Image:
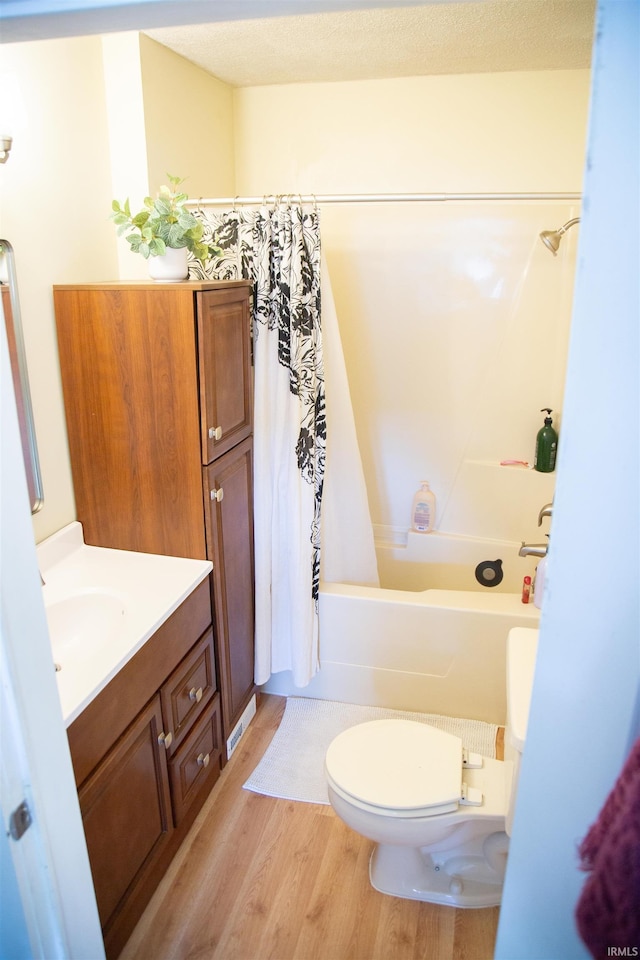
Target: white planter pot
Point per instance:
(170, 267)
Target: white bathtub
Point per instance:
(433, 651)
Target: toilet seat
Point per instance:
(400, 768)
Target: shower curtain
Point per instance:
(279, 251)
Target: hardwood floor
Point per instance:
(265, 879)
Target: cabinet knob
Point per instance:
(215, 433)
(165, 740)
(203, 760)
(195, 695)
(217, 494)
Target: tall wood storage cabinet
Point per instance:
(157, 382)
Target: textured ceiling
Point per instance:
(454, 36)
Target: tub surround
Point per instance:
(134, 592)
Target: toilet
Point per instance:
(440, 816)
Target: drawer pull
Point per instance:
(195, 695)
(215, 433)
(217, 494)
(203, 760)
(165, 740)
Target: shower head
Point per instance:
(552, 238)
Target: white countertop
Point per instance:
(102, 606)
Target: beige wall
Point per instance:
(126, 136)
(165, 115)
(490, 132)
(188, 120)
(454, 317)
(56, 197)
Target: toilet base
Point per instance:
(455, 879)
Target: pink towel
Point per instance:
(608, 912)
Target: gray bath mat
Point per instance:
(293, 765)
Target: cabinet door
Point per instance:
(229, 514)
(224, 357)
(126, 812)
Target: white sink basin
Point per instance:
(102, 605)
(83, 622)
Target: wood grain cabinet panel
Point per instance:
(226, 401)
(129, 374)
(126, 812)
(230, 539)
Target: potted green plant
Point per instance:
(164, 231)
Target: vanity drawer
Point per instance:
(188, 690)
(197, 761)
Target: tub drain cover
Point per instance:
(489, 573)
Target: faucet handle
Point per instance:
(545, 511)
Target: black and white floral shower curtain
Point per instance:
(278, 249)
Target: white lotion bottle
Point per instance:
(423, 512)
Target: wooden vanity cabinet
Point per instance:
(146, 753)
(158, 390)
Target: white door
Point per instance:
(50, 857)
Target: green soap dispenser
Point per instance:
(546, 445)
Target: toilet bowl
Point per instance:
(437, 814)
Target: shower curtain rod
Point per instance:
(376, 198)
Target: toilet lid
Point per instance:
(398, 764)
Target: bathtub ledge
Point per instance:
(507, 603)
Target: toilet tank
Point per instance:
(522, 646)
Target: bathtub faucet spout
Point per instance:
(533, 550)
